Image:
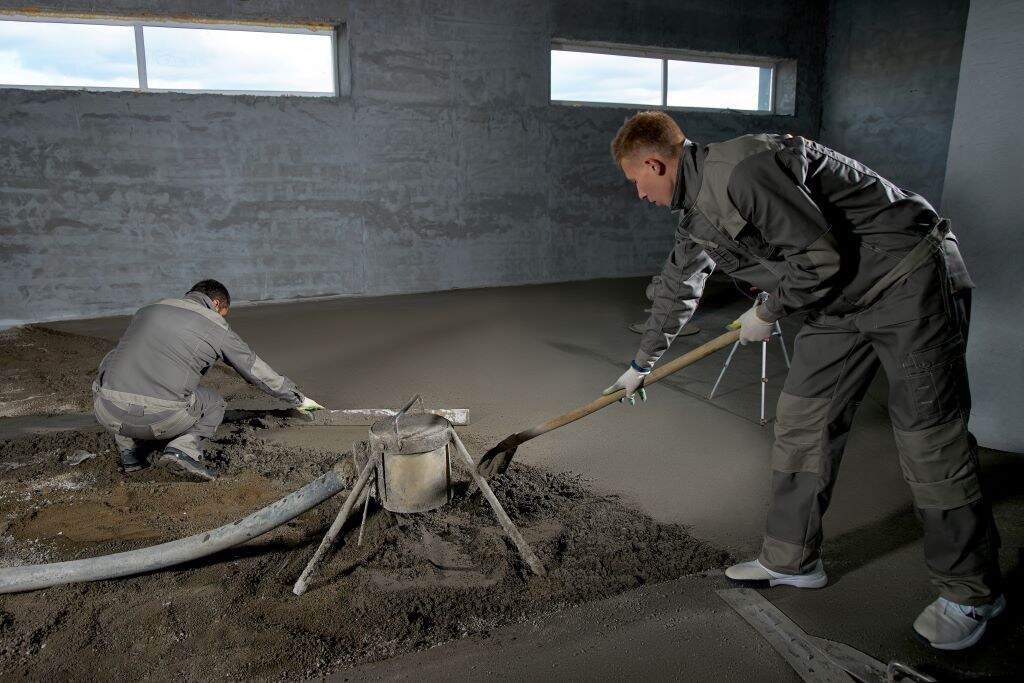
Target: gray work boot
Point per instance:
(131, 461)
(182, 463)
(950, 626)
(756, 575)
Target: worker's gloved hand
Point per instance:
(308, 406)
(751, 327)
(632, 380)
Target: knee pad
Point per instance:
(800, 425)
(938, 465)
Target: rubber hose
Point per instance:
(34, 577)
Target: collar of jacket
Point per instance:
(200, 298)
(691, 163)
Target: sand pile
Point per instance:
(416, 581)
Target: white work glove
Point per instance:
(752, 328)
(308, 406)
(632, 380)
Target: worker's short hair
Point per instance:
(648, 131)
(214, 290)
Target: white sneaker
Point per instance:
(755, 574)
(950, 626)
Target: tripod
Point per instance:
(764, 365)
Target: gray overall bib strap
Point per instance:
(914, 259)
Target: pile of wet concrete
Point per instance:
(416, 580)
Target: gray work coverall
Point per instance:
(883, 284)
(147, 388)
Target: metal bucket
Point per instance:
(415, 472)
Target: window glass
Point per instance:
(218, 59)
(59, 54)
(715, 86)
(593, 77)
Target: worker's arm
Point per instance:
(255, 370)
(676, 295)
(769, 193)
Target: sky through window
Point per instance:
(103, 55)
(607, 78)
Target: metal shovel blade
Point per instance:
(497, 460)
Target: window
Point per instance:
(68, 55)
(157, 56)
(589, 73)
(594, 77)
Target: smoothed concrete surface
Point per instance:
(518, 356)
(679, 630)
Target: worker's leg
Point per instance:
(832, 367)
(108, 415)
(184, 452)
(208, 410)
(930, 404)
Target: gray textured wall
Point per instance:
(446, 167)
(984, 183)
(891, 72)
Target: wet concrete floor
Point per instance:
(518, 356)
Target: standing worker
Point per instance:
(881, 281)
(147, 388)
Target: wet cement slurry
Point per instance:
(518, 356)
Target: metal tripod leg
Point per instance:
(725, 367)
(764, 367)
(764, 376)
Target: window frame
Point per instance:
(335, 32)
(666, 55)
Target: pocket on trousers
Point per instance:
(934, 377)
(943, 353)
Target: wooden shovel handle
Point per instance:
(657, 374)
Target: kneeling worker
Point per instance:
(147, 388)
(882, 283)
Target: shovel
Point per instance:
(497, 460)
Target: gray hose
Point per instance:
(34, 577)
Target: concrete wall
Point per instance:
(891, 72)
(982, 196)
(446, 167)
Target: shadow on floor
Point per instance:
(1002, 480)
(1003, 483)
